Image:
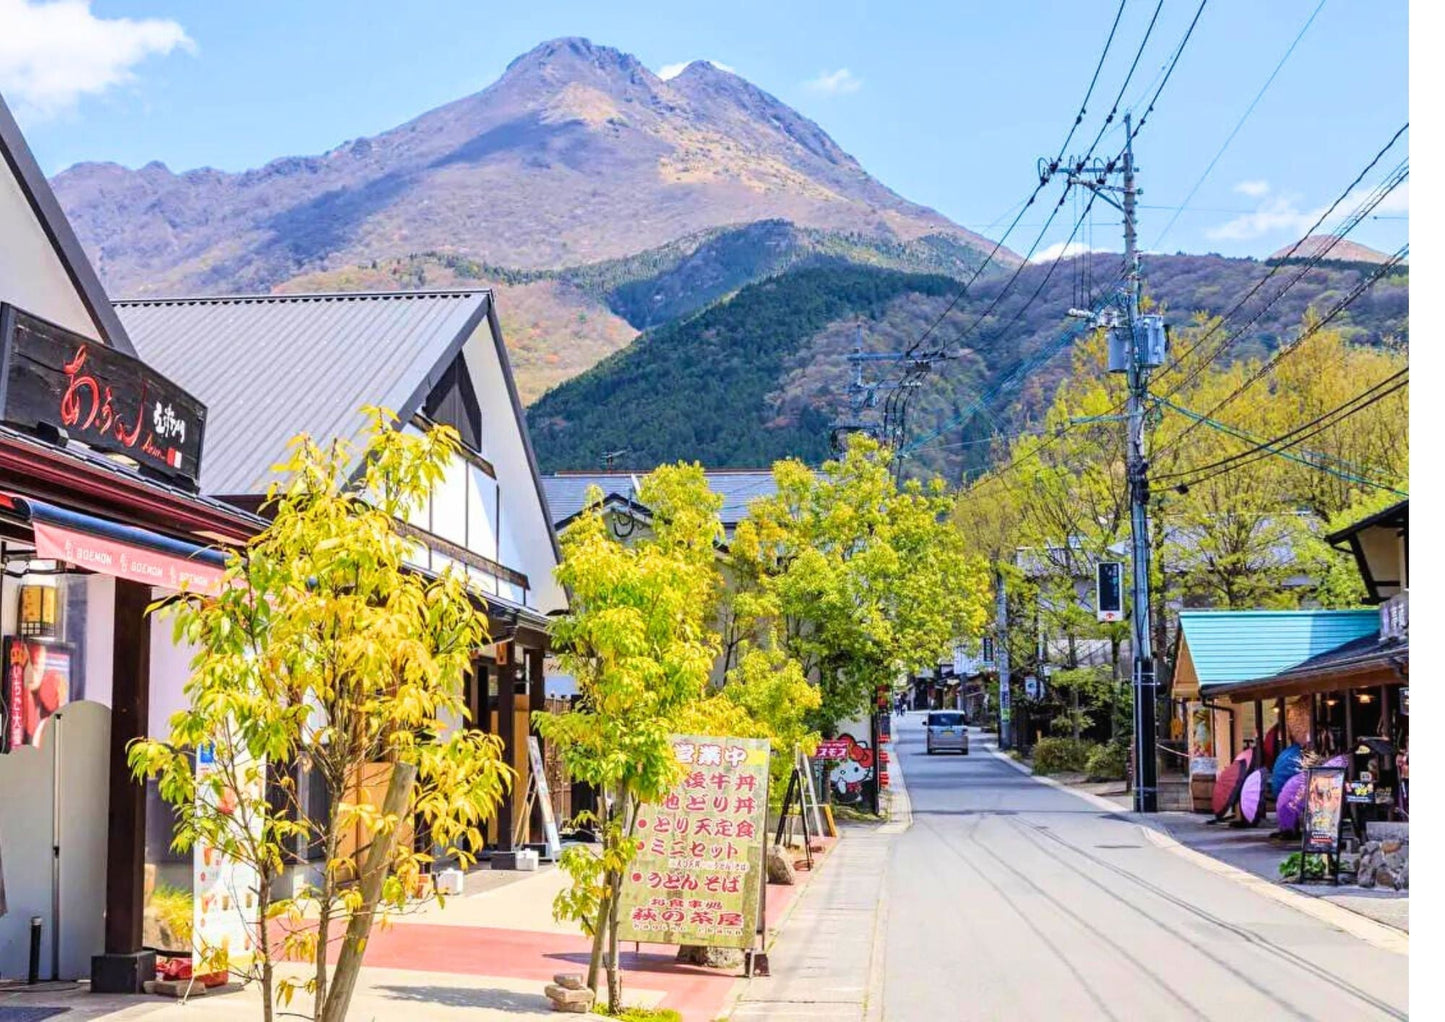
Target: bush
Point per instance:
(1059, 755)
(1109, 762)
(1314, 867)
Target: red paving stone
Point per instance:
(698, 994)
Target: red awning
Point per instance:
(137, 555)
(96, 553)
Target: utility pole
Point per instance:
(1000, 654)
(1146, 794)
(1136, 346)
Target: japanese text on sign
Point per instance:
(697, 874)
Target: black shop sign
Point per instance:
(54, 379)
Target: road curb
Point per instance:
(1088, 796)
(899, 802)
(1387, 938)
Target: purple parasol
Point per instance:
(1251, 796)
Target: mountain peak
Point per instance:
(570, 52)
(1340, 250)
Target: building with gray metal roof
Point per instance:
(567, 492)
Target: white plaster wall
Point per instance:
(32, 276)
(170, 669)
(525, 541)
(99, 638)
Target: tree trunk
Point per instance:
(263, 941)
(373, 876)
(614, 971)
(599, 938)
(323, 926)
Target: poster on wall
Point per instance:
(698, 874)
(39, 680)
(1202, 761)
(1325, 787)
(226, 912)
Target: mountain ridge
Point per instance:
(535, 171)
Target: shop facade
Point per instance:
(1334, 683)
(275, 366)
(100, 516)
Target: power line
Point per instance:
(1369, 396)
(1283, 353)
(1311, 459)
(1046, 173)
(1397, 177)
(1163, 81)
(1043, 182)
(1240, 123)
(1278, 265)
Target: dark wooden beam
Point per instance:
(122, 967)
(536, 703)
(507, 730)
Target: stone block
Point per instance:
(711, 957)
(780, 867)
(570, 981)
(561, 995)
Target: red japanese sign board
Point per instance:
(698, 872)
(99, 396)
(832, 748)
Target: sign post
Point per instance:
(698, 876)
(1324, 811)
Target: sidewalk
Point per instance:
(1247, 849)
(483, 957)
(830, 964)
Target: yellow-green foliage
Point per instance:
(175, 911)
(324, 648)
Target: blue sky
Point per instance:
(949, 103)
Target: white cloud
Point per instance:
(670, 71)
(1282, 215)
(834, 83)
(1254, 189)
(1062, 250)
(52, 54)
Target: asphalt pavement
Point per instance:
(1008, 898)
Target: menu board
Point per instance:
(697, 876)
(1325, 791)
(226, 913)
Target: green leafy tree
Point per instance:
(638, 641)
(858, 580)
(324, 650)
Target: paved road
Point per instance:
(1011, 899)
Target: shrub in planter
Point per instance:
(1108, 762)
(1059, 755)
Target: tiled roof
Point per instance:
(1233, 646)
(271, 366)
(567, 491)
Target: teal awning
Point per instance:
(1224, 647)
